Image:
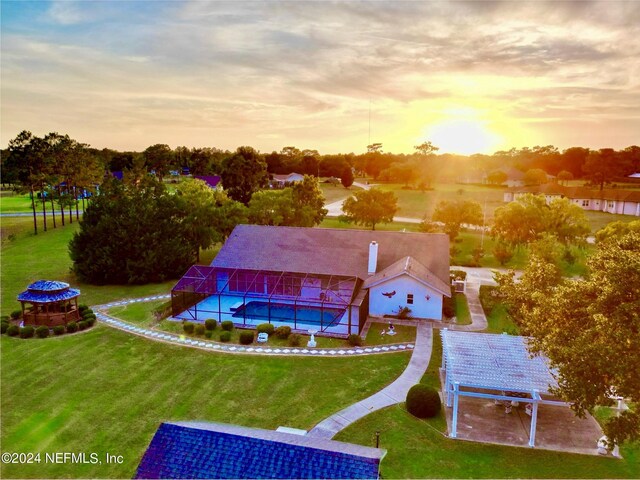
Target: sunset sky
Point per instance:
(468, 76)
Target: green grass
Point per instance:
(404, 334)
(17, 204)
(498, 318)
(338, 192)
(107, 391)
(463, 317)
(598, 220)
(393, 227)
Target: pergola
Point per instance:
(52, 303)
(475, 363)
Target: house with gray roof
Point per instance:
(329, 280)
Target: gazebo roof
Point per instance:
(494, 362)
(47, 291)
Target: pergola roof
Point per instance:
(46, 291)
(494, 362)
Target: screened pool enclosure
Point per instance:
(302, 301)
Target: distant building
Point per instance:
(610, 200)
(281, 181)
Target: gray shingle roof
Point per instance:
(410, 266)
(329, 251)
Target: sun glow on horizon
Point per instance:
(463, 133)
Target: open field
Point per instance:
(107, 391)
(13, 202)
(338, 192)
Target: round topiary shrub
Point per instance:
(13, 330)
(246, 338)
(4, 326)
(294, 340)
(188, 327)
(58, 330)
(42, 331)
(208, 333)
(90, 321)
(210, 324)
(227, 325)
(282, 332)
(354, 340)
(82, 325)
(72, 327)
(200, 329)
(225, 336)
(16, 314)
(87, 315)
(27, 332)
(423, 401)
(82, 307)
(267, 328)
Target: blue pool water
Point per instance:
(286, 313)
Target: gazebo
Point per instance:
(51, 303)
(498, 367)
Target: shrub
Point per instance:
(188, 327)
(210, 324)
(72, 327)
(13, 330)
(27, 332)
(448, 304)
(4, 327)
(199, 329)
(294, 340)
(90, 321)
(423, 401)
(88, 316)
(42, 331)
(16, 314)
(4, 318)
(403, 312)
(208, 333)
(246, 338)
(82, 307)
(354, 340)
(458, 275)
(225, 336)
(267, 328)
(227, 325)
(58, 330)
(283, 332)
(82, 325)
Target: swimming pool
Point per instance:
(287, 313)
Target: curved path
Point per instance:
(192, 342)
(394, 393)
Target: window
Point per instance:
(585, 203)
(410, 298)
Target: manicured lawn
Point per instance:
(107, 391)
(599, 220)
(497, 317)
(338, 192)
(463, 317)
(394, 227)
(404, 334)
(17, 203)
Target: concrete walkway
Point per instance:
(392, 394)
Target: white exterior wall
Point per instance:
(380, 305)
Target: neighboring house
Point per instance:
(611, 200)
(282, 181)
(329, 280)
(217, 450)
(212, 180)
(514, 176)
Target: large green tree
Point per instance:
(617, 229)
(243, 173)
(159, 158)
(370, 207)
(454, 213)
(132, 233)
(528, 217)
(588, 328)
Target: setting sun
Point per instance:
(463, 136)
